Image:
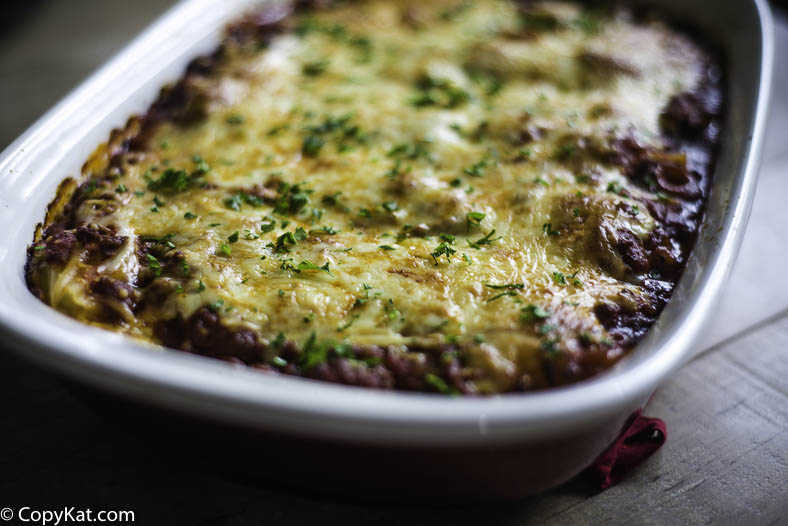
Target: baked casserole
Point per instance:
(463, 197)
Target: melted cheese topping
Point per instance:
(400, 173)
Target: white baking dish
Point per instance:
(585, 417)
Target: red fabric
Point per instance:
(641, 438)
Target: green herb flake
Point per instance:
(268, 226)
(308, 265)
(233, 238)
(547, 228)
(348, 324)
(486, 240)
(283, 241)
(226, 250)
(615, 187)
(311, 145)
(439, 384)
(444, 249)
(171, 180)
(478, 169)
(502, 294)
(474, 218)
(533, 313)
(507, 286)
(154, 264)
(316, 68)
(278, 361)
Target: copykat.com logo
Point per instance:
(66, 515)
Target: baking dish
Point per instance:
(563, 429)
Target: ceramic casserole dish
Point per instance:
(339, 438)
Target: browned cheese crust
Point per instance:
(521, 251)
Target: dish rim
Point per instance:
(219, 390)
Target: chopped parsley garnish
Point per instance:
(486, 240)
(391, 206)
(308, 265)
(510, 289)
(226, 250)
(548, 229)
(325, 230)
(439, 384)
(391, 311)
(615, 187)
(559, 278)
(533, 313)
(173, 180)
(202, 166)
(278, 361)
(312, 145)
(439, 92)
(478, 169)
(548, 346)
(318, 67)
(507, 286)
(474, 218)
(154, 264)
(269, 226)
(291, 199)
(348, 324)
(235, 119)
(415, 150)
(189, 215)
(315, 352)
(387, 247)
(502, 294)
(444, 249)
(121, 188)
(283, 241)
(233, 238)
(276, 129)
(200, 286)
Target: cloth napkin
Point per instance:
(642, 437)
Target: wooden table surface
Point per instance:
(726, 460)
